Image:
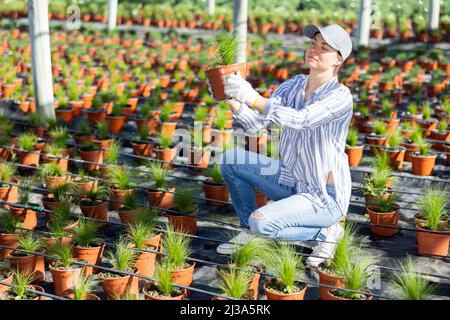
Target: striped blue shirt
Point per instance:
(313, 136)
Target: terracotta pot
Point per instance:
(28, 158)
(8, 279)
(27, 217)
(85, 186)
(64, 280)
(98, 211)
(150, 122)
(92, 255)
(166, 155)
(396, 156)
(354, 155)
(331, 296)
(217, 76)
(50, 242)
(439, 135)
(118, 287)
(383, 218)
(117, 197)
(329, 280)
(215, 191)
(261, 199)
(161, 199)
(200, 159)
(8, 240)
(9, 193)
(271, 295)
(431, 243)
(115, 123)
(167, 128)
(428, 126)
(49, 204)
(423, 165)
(29, 264)
(129, 216)
(65, 115)
(62, 163)
(91, 156)
(186, 223)
(376, 142)
(6, 151)
(148, 296)
(145, 262)
(52, 182)
(410, 149)
(143, 149)
(183, 276)
(95, 116)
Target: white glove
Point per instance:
(237, 88)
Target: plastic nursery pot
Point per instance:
(217, 76)
(389, 219)
(129, 216)
(27, 217)
(95, 116)
(432, 243)
(117, 197)
(145, 262)
(186, 223)
(115, 123)
(161, 199)
(52, 182)
(8, 240)
(91, 156)
(150, 293)
(275, 295)
(29, 264)
(28, 158)
(142, 148)
(183, 276)
(6, 275)
(328, 279)
(423, 165)
(9, 193)
(166, 155)
(354, 155)
(96, 211)
(331, 295)
(62, 163)
(410, 149)
(396, 156)
(64, 279)
(118, 285)
(92, 255)
(215, 191)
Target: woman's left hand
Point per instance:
(237, 88)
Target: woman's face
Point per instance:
(320, 56)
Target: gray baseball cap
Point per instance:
(334, 35)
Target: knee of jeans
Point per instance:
(259, 227)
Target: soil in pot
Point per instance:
(151, 292)
(274, 291)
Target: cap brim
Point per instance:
(310, 30)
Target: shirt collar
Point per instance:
(324, 87)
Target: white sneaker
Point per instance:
(228, 248)
(325, 250)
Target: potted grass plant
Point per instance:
(22, 282)
(166, 125)
(55, 153)
(84, 133)
(147, 217)
(394, 150)
(378, 182)
(8, 192)
(139, 234)
(102, 138)
(26, 216)
(65, 272)
(163, 288)
(87, 244)
(183, 214)
(236, 284)
(409, 284)
(143, 146)
(384, 212)
(9, 234)
(223, 64)
(130, 208)
(92, 154)
(84, 288)
(121, 259)
(412, 144)
(331, 270)
(352, 149)
(121, 184)
(249, 256)
(93, 202)
(356, 274)
(284, 264)
(423, 161)
(111, 155)
(54, 175)
(83, 181)
(116, 120)
(28, 263)
(378, 137)
(442, 134)
(433, 232)
(176, 248)
(27, 153)
(56, 197)
(427, 123)
(164, 151)
(160, 195)
(96, 113)
(215, 189)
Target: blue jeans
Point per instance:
(290, 216)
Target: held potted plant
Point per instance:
(121, 259)
(29, 263)
(352, 149)
(87, 244)
(424, 160)
(163, 288)
(183, 214)
(433, 232)
(215, 188)
(384, 212)
(160, 195)
(65, 272)
(224, 64)
(283, 262)
(176, 249)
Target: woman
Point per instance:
(311, 188)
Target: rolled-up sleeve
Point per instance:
(336, 104)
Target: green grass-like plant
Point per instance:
(21, 282)
(9, 223)
(63, 254)
(93, 195)
(7, 172)
(86, 233)
(433, 207)
(26, 141)
(409, 284)
(51, 169)
(385, 204)
(163, 277)
(176, 246)
(426, 111)
(112, 152)
(424, 148)
(200, 113)
(61, 191)
(120, 178)
(345, 248)
(395, 139)
(62, 215)
(379, 128)
(216, 174)
(159, 174)
(183, 200)
(352, 137)
(442, 125)
(60, 136)
(102, 131)
(54, 149)
(226, 49)
(124, 257)
(235, 283)
(130, 201)
(165, 142)
(138, 233)
(30, 242)
(252, 251)
(84, 286)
